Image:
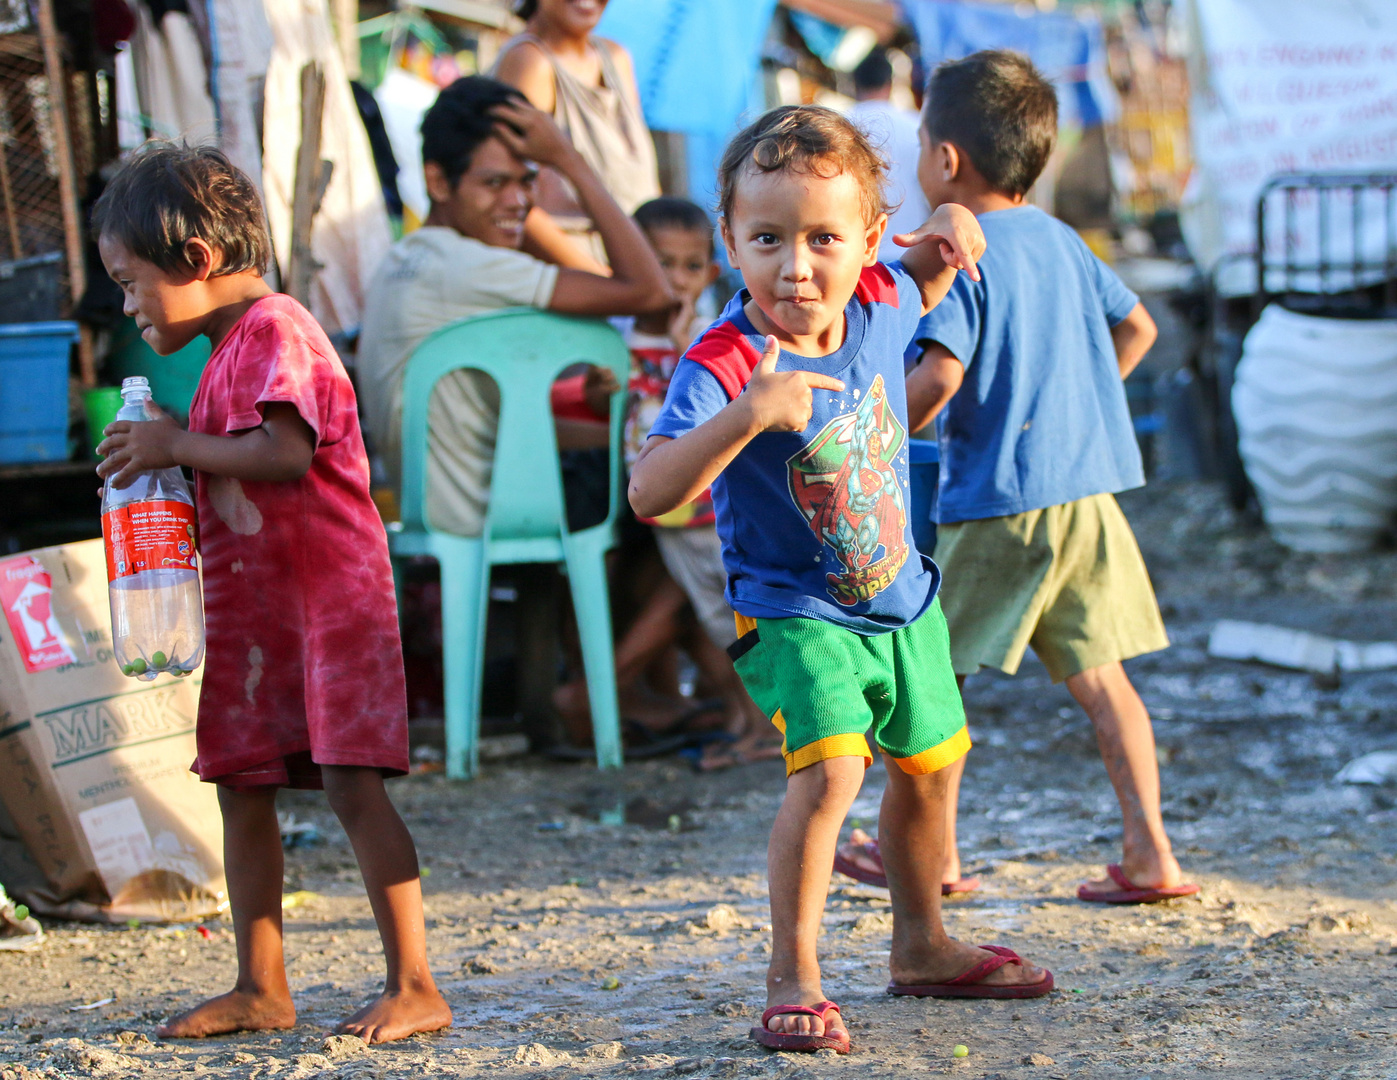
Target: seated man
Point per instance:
(480, 144)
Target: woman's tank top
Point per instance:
(606, 126)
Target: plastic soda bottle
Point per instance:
(152, 564)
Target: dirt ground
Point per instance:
(573, 948)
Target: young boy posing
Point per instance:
(792, 407)
(1035, 441)
(301, 689)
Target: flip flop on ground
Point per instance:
(869, 876)
(969, 984)
(786, 1040)
(1130, 893)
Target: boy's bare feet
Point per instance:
(237, 1010)
(657, 713)
(397, 1014)
(943, 963)
(748, 749)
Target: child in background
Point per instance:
(300, 689)
(1035, 441)
(792, 407)
(682, 237)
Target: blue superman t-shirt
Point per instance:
(814, 523)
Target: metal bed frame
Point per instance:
(1348, 269)
(1350, 283)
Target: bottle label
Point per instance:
(153, 535)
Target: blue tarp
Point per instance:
(697, 66)
(1069, 50)
(821, 37)
(694, 59)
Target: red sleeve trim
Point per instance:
(876, 286)
(728, 355)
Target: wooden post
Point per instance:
(67, 180)
(16, 251)
(312, 178)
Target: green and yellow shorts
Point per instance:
(825, 687)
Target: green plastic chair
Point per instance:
(523, 350)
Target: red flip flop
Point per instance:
(783, 1040)
(872, 877)
(1130, 893)
(969, 985)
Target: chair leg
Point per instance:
(464, 587)
(591, 602)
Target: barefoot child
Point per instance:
(1035, 442)
(303, 681)
(792, 407)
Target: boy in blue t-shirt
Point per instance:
(1036, 439)
(792, 406)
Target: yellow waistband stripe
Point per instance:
(823, 749)
(938, 757)
(744, 624)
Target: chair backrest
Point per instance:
(523, 350)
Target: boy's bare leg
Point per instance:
(950, 865)
(912, 840)
(951, 868)
(252, 861)
(410, 1002)
(1126, 739)
(799, 860)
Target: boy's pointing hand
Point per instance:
(781, 400)
(957, 232)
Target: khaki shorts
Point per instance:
(1068, 580)
(694, 558)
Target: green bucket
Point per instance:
(101, 406)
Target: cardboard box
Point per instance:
(105, 820)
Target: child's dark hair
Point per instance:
(672, 212)
(459, 121)
(874, 72)
(809, 139)
(999, 110)
(168, 194)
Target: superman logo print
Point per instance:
(845, 485)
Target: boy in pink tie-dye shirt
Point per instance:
(303, 679)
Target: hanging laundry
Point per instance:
(241, 43)
(351, 232)
(172, 83)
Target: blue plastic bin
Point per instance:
(924, 473)
(34, 391)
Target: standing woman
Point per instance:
(587, 85)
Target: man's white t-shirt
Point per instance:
(893, 132)
(429, 278)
